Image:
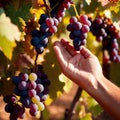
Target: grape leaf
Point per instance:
(6, 46)
(7, 29)
(8, 34)
(92, 7)
(15, 14)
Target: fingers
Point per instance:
(62, 54)
(69, 47)
(85, 52)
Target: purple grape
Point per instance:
(53, 29)
(16, 80)
(33, 113)
(73, 20)
(32, 84)
(35, 41)
(22, 85)
(78, 30)
(105, 31)
(39, 88)
(31, 93)
(26, 102)
(33, 107)
(85, 28)
(9, 107)
(39, 49)
(23, 76)
(49, 22)
(13, 99)
(44, 27)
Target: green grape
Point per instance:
(41, 106)
(32, 77)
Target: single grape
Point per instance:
(32, 93)
(16, 80)
(39, 48)
(39, 88)
(23, 76)
(35, 41)
(9, 107)
(26, 102)
(22, 85)
(36, 99)
(32, 76)
(41, 106)
(33, 107)
(32, 84)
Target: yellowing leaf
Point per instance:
(68, 83)
(7, 29)
(7, 46)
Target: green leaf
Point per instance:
(92, 7)
(92, 104)
(87, 117)
(15, 14)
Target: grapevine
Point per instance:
(32, 87)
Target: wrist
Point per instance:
(97, 86)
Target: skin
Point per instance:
(83, 68)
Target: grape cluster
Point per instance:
(78, 28)
(106, 32)
(58, 12)
(13, 107)
(32, 90)
(48, 26)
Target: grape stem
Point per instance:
(76, 12)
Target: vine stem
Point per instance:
(35, 62)
(36, 59)
(69, 112)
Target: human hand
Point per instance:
(80, 66)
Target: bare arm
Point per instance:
(84, 69)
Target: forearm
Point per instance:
(108, 96)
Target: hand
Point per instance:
(80, 66)
(84, 68)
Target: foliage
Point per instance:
(17, 20)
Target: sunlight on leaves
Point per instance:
(7, 29)
(68, 82)
(6, 46)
